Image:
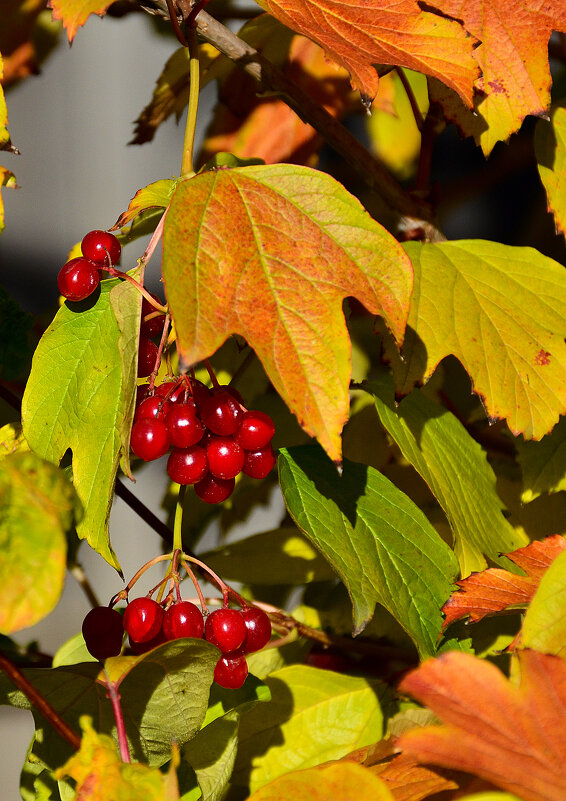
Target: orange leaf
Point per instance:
(270, 252)
(495, 590)
(74, 13)
(512, 736)
(397, 32)
(409, 781)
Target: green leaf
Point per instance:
(175, 677)
(212, 753)
(457, 471)
(223, 701)
(313, 716)
(15, 326)
(154, 197)
(293, 245)
(223, 160)
(500, 311)
(37, 507)
(12, 439)
(544, 626)
(550, 150)
(73, 652)
(544, 463)
(76, 398)
(281, 556)
(380, 544)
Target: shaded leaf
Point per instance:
(394, 33)
(212, 753)
(74, 13)
(455, 468)
(512, 736)
(294, 243)
(543, 463)
(15, 326)
(544, 626)
(154, 198)
(495, 590)
(341, 782)
(304, 724)
(499, 310)
(380, 544)
(37, 507)
(550, 150)
(77, 398)
(17, 40)
(223, 701)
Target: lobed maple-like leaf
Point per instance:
(550, 150)
(512, 736)
(270, 252)
(500, 311)
(74, 13)
(495, 590)
(360, 35)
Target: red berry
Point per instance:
(183, 619)
(225, 457)
(185, 429)
(221, 413)
(256, 430)
(154, 406)
(199, 391)
(102, 248)
(231, 670)
(147, 356)
(149, 439)
(214, 490)
(143, 619)
(259, 629)
(154, 326)
(187, 465)
(258, 464)
(226, 629)
(78, 279)
(103, 632)
(174, 391)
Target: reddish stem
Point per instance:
(114, 697)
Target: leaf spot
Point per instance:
(542, 357)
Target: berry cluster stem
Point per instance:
(187, 168)
(114, 697)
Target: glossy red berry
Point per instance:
(152, 320)
(147, 356)
(231, 670)
(214, 490)
(174, 391)
(226, 629)
(149, 439)
(187, 465)
(258, 464)
(102, 248)
(225, 457)
(258, 627)
(78, 279)
(199, 391)
(103, 631)
(221, 413)
(154, 406)
(256, 430)
(143, 619)
(185, 428)
(183, 619)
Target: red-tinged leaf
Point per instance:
(270, 252)
(409, 781)
(74, 13)
(495, 590)
(395, 32)
(512, 736)
(513, 56)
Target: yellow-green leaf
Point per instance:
(550, 150)
(544, 463)
(344, 781)
(74, 13)
(544, 627)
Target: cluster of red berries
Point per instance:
(236, 632)
(79, 277)
(212, 436)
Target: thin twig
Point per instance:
(142, 511)
(410, 97)
(78, 573)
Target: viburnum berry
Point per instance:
(78, 279)
(147, 356)
(143, 619)
(154, 406)
(256, 430)
(221, 413)
(226, 629)
(231, 670)
(258, 627)
(187, 465)
(185, 428)
(258, 464)
(225, 457)
(174, 391)
(102, 248)
(183, 619)
(199, 391)
(149, 439)
(214, 490)
(153, 326)
(103, 632)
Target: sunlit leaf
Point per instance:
(340, 782)
(153, 197)
(294, 243)
(544, 626)
(12, 439)
(512, 736)
(18, 39)
(37, 507)
(74, 13)
(379, 543)
(500, 311)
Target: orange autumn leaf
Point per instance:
(495, 590)
(394, 32)
(512, 736)
(74, 13)
(409, 781)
